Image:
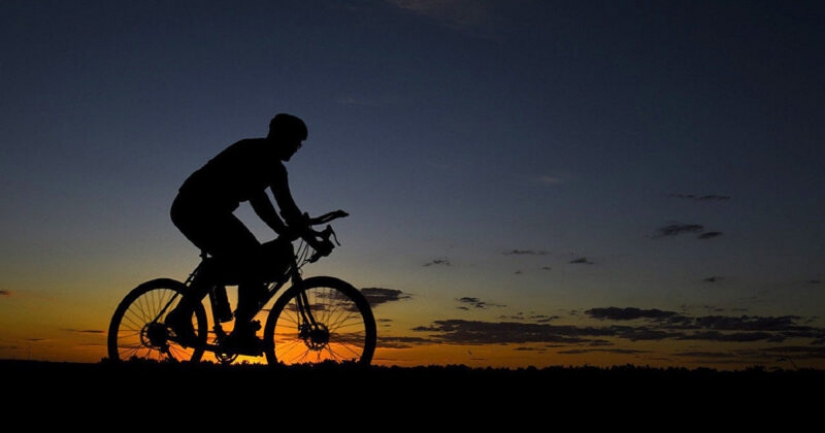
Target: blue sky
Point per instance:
(559, 170)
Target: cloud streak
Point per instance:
(676, 229)
(582, 261)
(635, 325)
(517, 252)
(457, 14)
(694, 197)
(659, 325)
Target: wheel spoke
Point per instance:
(344, 328)
(136, 330)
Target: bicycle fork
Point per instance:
(315, 335)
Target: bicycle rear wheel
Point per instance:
(344, 330)
(137, 330)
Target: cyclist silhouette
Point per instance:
(203, 211)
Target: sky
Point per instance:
(530, 183)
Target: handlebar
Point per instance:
(325, 218)
(327, 233)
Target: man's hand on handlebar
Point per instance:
(323, 247)
(323, 241)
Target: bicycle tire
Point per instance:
(137, 331)
(349, 332)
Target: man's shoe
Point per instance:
(181, 324)
(244, 341)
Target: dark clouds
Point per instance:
(469, 302)
(582, 261)
(678, 229)
(655, 325)
(377, 296)
(613, 313)
(633, 325)
(438, 262)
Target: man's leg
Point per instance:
(249, 296)
(236, 250)
(194, 223)
(251, 292)
(240, 252)
(197, 224)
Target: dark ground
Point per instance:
(414, 395)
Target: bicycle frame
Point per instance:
(219, 302)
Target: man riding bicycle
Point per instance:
(204, 212)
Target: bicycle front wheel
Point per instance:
(341, 329)
(137, 330)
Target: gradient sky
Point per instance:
(530, 182)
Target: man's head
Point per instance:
(287, 132)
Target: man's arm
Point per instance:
(295, 219)
(266, 211)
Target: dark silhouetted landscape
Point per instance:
(451, 392)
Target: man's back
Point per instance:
(242, 170)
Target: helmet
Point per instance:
(287, 126)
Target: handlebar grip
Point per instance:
(327, 217)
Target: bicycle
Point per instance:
(316, 320)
